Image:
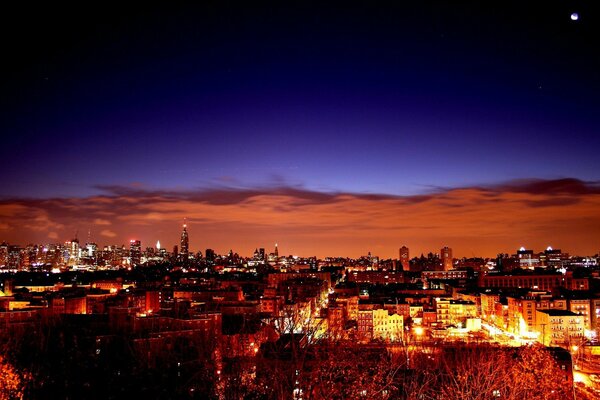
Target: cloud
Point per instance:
(479, 220)
(108, 233)
(52, 235)
(568, 186)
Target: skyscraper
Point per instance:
(446, 257)
(404, 258)
(184, 248)
(135, 252)
(262, 254)
(210, 256)
(73, 249)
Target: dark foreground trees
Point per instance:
(487, 372)
(71, 360)
(12, 382)
(343, 370)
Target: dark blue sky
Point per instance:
(379, 97)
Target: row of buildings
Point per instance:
(560, 311)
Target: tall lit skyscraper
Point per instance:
(73, 251)
(404, 258)
(184, 248)
(135, 252)
(446, 257)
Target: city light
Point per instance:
(153, 158)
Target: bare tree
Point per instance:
(12, 382)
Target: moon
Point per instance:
(574, 16)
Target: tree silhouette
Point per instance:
(12, 383)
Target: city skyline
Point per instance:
(331, 130)
(244, 220)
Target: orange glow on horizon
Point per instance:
(472, 221)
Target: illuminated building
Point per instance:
(135, 252)
(210, 256)
(91, 249)
(277, 278)
(365, 325)
(453, 312)
(257, 258)
(595, 313)
(374, 277)
(3, 254)
(553, 257)
(527, 260)
(404, 258)
(521, 316)
(73, 252)
(13, 260)
(273, 258)
(558, 326)
(271, 304)
(582, 306)
(379, 324)
(184, 242)
(336, 320)
(387, 327)
(163, 253)
(146, 301)
(488, 305)
(445, 275)
(52, 255)
(543, 281)
(68, 305)
(446, 257)
(373, 260)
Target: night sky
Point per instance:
(331, 129)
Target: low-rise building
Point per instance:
(559, 327)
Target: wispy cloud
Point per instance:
(108, 233)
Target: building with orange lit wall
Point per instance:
(381, 277)
(595, 313)
(488, 305)
(559, 327)
(545, 282)
(452, 312)
(522, 315)
(350, 306)
(365, 325)
(582, 307)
